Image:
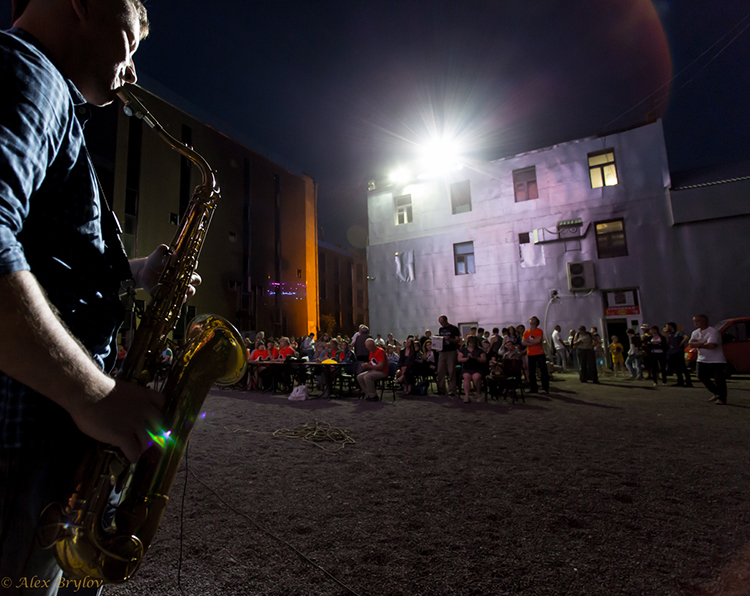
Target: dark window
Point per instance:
(602, 168)
(360, 273)
(360, 299)
(403, 209)
(322, 263)
(524, 183)
(463, 258)
(524, 238)
(610, 239)
(460, 197)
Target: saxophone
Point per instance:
(106, 526)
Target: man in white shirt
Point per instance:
(711, 360)
(561, 352)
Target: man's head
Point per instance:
(672, 327)
(700, 321)
(91, 41)
(534, 322)
(370, 343)
(558, 328)
(443, 320)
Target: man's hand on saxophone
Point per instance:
(146, 271)
(37, 350)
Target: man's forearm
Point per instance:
(35, 340)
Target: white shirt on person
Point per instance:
(711, 336)
(559, 345)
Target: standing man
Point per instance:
(533, 338)
(676, 355)
(61, 267)
(448, 356)
(711, 360)
(375, 368)
(561, 352)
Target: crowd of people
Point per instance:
(483, 359)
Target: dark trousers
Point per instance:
(677, 366)
(711, 374)
(658, 361)
(587, 364)
(541, 362)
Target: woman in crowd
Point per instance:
(348, 358)
(657, 355)
(259, 354)
(428, 364)
(473, 360)
(584, 344)
(634, 361)
(407, 363)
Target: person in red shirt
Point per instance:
(533, 338)
(375, 368)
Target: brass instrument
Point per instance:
(92, 536)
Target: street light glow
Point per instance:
(400, 175)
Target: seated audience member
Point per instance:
(428, 365)
(374, 369)
(393, 357)
(285, 354)
(407, 364)
(472, 358)
(259, 354)
(503, 369)
(349, 358)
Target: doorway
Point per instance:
(618, 327)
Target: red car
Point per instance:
(735, 339)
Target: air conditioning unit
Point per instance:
(581, 276)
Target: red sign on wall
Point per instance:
(619, 311)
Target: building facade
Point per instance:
(343, 289)
(259, 260)
(587, 232)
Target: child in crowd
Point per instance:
(616, 351)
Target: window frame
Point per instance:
(521, 177)
(463, 259)
(607, 250)
(600, 168)
(460, 197)
(406, 209)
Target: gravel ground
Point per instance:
(591, 490)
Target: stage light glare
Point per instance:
(400, 175)
(442, 155)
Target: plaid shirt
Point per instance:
(50, 218)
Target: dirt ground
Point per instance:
(592, 490)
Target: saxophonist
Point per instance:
(61, 268)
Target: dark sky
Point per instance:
(344, 90)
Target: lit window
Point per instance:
(463, 257)
(524, 183)
(610, 239)
(602, 168)
(403, 209)
(460, 197)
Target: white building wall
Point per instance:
(513, 283)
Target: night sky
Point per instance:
(343, 91)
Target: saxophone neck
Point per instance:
(133, 107)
